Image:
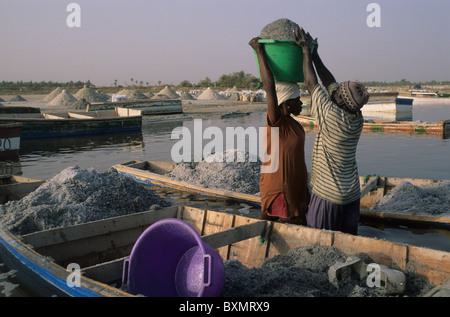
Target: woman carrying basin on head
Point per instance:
(284, 191)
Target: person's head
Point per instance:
(351, 96)
(293, 106)
(288, 95)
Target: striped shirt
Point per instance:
(334, 172)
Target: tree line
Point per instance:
(236, 79)
(42, 85)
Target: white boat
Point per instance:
(420, 97)
(400, 105)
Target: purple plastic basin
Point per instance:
(169, 259)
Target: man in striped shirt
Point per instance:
(334, 182)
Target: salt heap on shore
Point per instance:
(186, 96)
(405, 197)
(231, 170)
(160, 96)
(76, 196)
(18, 98)
(53, 94)
(210, 94)
(65, 99)
(169, 92)
(132, 94)
(89, 95)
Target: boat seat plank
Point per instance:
(75, 115)
(235, 234)
(106, 272)
(55, 116)
(106, 226)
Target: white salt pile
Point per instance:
(65, 98)
(89, 95)
(186, 96)
(210, 94)
(79, 105)
(405, 197)
(18, 98)
(231, 170)
(132, 94)
(280, 29)
(105, 97)
(160, 96)
(52, 95)
(302, 272)
(76, 196)
(169, 92)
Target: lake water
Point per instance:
(385, 154)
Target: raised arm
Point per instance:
(325, 75)
(267, 80)
(304, 40)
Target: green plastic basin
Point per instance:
(285, 59)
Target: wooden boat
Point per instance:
(144, 106)
(425, 97)
(441, 129)
(13, 187)
(373, 188)
(399, 105)
(14, 109)
(418, 94)
(74, 123)
(9, 140)
(154, 174)
(44, 260)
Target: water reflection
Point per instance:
(80, 143)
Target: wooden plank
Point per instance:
(433, 264)
(411, 216)
(107, 272)
(235, 234)
(84, 115)
(382, 252)
(161, 167)
(285, 237)
(55, 116)
(216, 222)
(394, 181)
(251, 252)
(105, 226)
(193, 216)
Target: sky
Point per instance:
(168, 41)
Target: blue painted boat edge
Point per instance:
(58, 283)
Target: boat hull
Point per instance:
(55, 125)
(154, 174)
(100, 248)
(9, 140)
